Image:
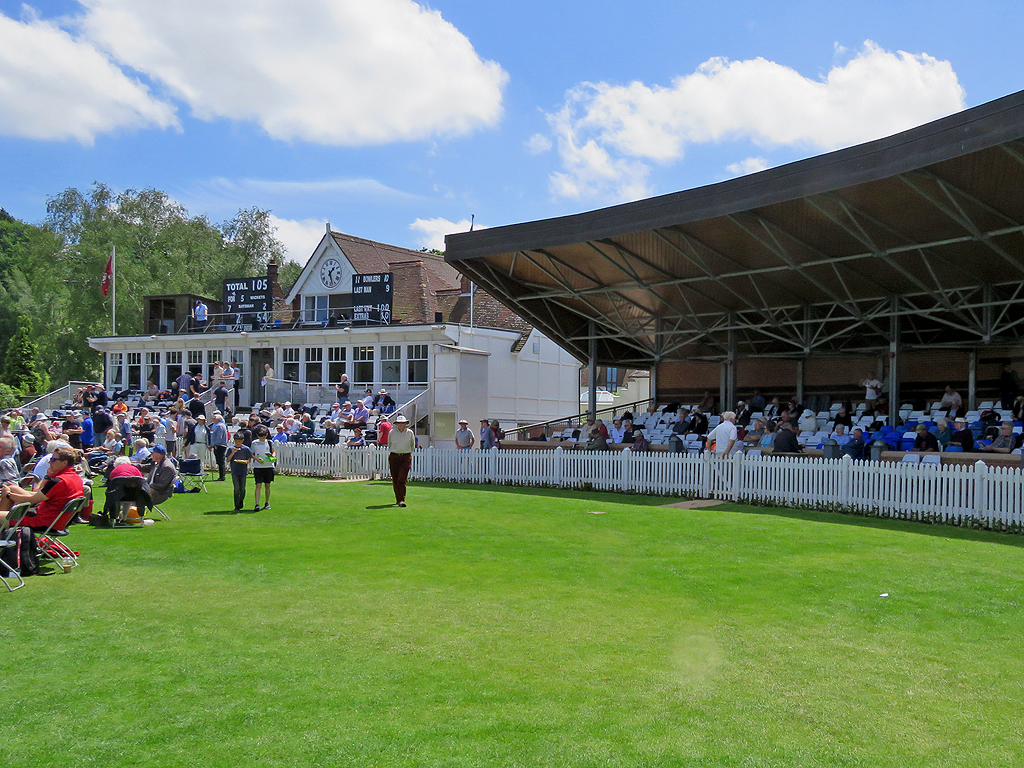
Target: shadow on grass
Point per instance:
(810, 515)
(223, 512)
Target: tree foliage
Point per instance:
(21, 363)
(52, 273)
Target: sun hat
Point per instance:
(463, 421)
(401, 419)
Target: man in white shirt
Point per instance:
(464, 438)
(723, 437)
(872, 389)
(401, 444)
(617, 432)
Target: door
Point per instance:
(258, 358)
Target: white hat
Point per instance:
(463, 421)
(401, 419)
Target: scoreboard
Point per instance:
(371, 298)
(247, 303)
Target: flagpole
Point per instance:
(113, 290)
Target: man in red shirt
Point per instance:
(62, 484)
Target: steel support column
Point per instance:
(894, 362)
(799, 382)
(592, 371)
(972, 380)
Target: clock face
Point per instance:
(330, 273)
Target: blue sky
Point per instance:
(396, 121)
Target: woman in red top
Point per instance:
(62, 484)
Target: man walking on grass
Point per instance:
(401, 444)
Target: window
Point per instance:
(290, 358)
(195, 360)
(335, 364)
(115, 370)
(362, 365)
(417, 363)
(173, 366)
(315, 309)
(314, 365)
(237, 357)
(134, 370)
(153, 368)
(213, 356)
(391, 364)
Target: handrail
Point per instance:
(400, 408)
(233, 322)
(54, 393)
(583, 415)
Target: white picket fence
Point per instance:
(970, 494)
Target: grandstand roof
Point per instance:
(918, 237)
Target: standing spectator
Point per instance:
(239, 458)
(484, 424)
(343, 388)
(220, 397)
(401, 444)
(88, 433)
(184, 383)
(383, 429)
(202, 434)
(218, 435)
(73, 430)
(1009, 386)
(464, 439)
(200, 315)
(236, 375)
(872, 391)
(490, 437)
(263, 466)
(723, 438)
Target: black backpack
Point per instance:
(24, 557)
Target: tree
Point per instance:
(21, 363)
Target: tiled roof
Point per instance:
(425, 284)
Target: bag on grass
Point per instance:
(23, 558)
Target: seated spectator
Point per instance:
(152, 392)
(306, 428)
(367, 399)
(142, 451)
(123, 467)
(808, 422)
(962, 437)
(745, 414)
(162, 475)
(604, 428)
(925, 442)
(62, 483)
(597, 441)
(943, 434)
(785, 440)
(639, 442)
(950, 402)
(840, 435)
(111, 443)
(627, 431)
(346, 411)
(119, 407)
(43, 464)
(617, 432)
(1004, 443)
(855, 447)
(359, 417)
(9, 471)
(768, 438)
(356, 440)
(698, 421)
(844, 417)
(383, 402)
(330, 433)
(335, 412)
(287, 410)
(282, 435)
(753, 436)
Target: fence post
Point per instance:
(738, 460)
(624, 469)
(980, 488)
(556, 468)
(846, 480)
(705, 475)
(492, 464)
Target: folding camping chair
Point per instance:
(122, 493)
(192, 474)
(11, 541)
(49, 543)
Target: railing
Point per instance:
(972, 495)
(59, 396)
(578, 420)
(233, 322)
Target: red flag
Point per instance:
(108, 275)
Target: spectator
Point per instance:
(331, 436)
(9, 471)
(1009, 386)
(640, 443)
(152, 393)
(61, 484)
(359, 417)
(490, 437)
(872, 391)
(962, 436)
(698, 421)
(88, 433)
(723, 437)
(200, 315)
(142, 451)
(597, 441)
(943, 434)
(925, 442)
(950, 402)
(753, 436)
(238, 459)
(218, 443)
(785, 440)
(1003, 443)
(123, 467)
(768, 438)
(356, 439)
(281, 436)
(808, 422)
(383, 429)
(757, 402)
(220, 397)
(840, 435)
(367, 398)
(844, 417)
(263, 464)
(343, 388)
(617, 432)
(855, 446)
(383, 402)
(464, 438)
(335, 412)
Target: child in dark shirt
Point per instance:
(238, 459)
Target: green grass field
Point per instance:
(487, 626)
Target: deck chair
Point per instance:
(11, 541)
(932, 458)
(192, 474)
(50, 544)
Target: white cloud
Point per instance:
(538, 143)
(340, 72)
(607, 135)
(432, 231)
(56, 87)
(747, 165)
(299, 237)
